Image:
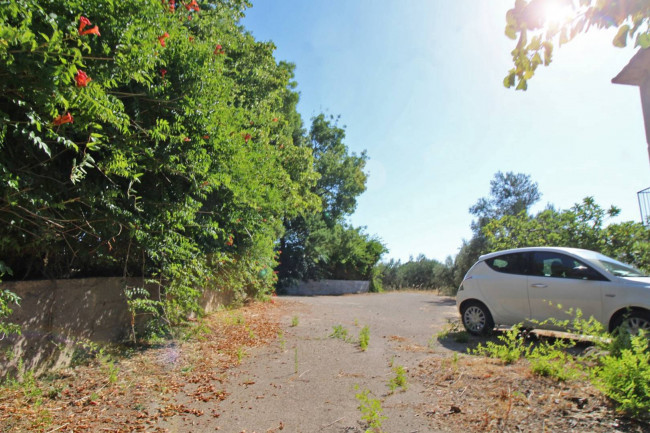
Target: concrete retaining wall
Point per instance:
(57, 314)
(328, 287)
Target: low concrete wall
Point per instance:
(57, 314)
(328, 287)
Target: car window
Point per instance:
(557, 265)
(515, 263)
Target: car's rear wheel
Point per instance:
(634, 322)
(477, 318)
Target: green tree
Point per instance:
(538, 25)
(419, 273)
(581, 226)
(141, 138)
(510, 194)
(321, 245)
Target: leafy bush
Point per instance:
(620, 368)
(511, 346)
(142, 139)
(625, 377)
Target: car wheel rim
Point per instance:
(474, 319)
(637, 324)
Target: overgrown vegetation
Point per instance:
(619, 366)
(160, 140)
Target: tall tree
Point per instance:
(321, 245)
(510, 194)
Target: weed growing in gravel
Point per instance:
(294, 321)
(364, 338)
(399, 381)
(281, 339)
(340, 332)
(241, 353)
(111, 369)
(371, 410)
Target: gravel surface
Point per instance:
(309, 383)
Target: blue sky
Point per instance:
(418, 85)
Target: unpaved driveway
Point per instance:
(307, 381)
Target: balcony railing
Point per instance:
(644, 205)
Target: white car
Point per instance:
(532, 285)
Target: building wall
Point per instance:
(328, 287)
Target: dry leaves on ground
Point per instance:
(134, 393)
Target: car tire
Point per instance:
(634, 321)
(476, 318)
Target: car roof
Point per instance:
(577, 251)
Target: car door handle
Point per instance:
(541, 286)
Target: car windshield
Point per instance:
(617, 268)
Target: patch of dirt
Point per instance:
(484, 395)
(137, 392)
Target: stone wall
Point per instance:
(55, 315)
(328, 287)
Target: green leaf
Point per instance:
(523, 85)
(643, 40)
(620, 40)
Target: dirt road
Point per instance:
(307, 381)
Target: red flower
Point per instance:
(172, 5)
(219, 49)
(63, 118)
(163, 72)
(82, 79)
(247, 137)
(275, 119)
(93, 31)
(162, 38)
(192, 6)
(186, 139)
(83, 22)
(230, 241)
(191, 38)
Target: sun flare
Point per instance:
(556, 13)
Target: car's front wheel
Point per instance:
(477, 318)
